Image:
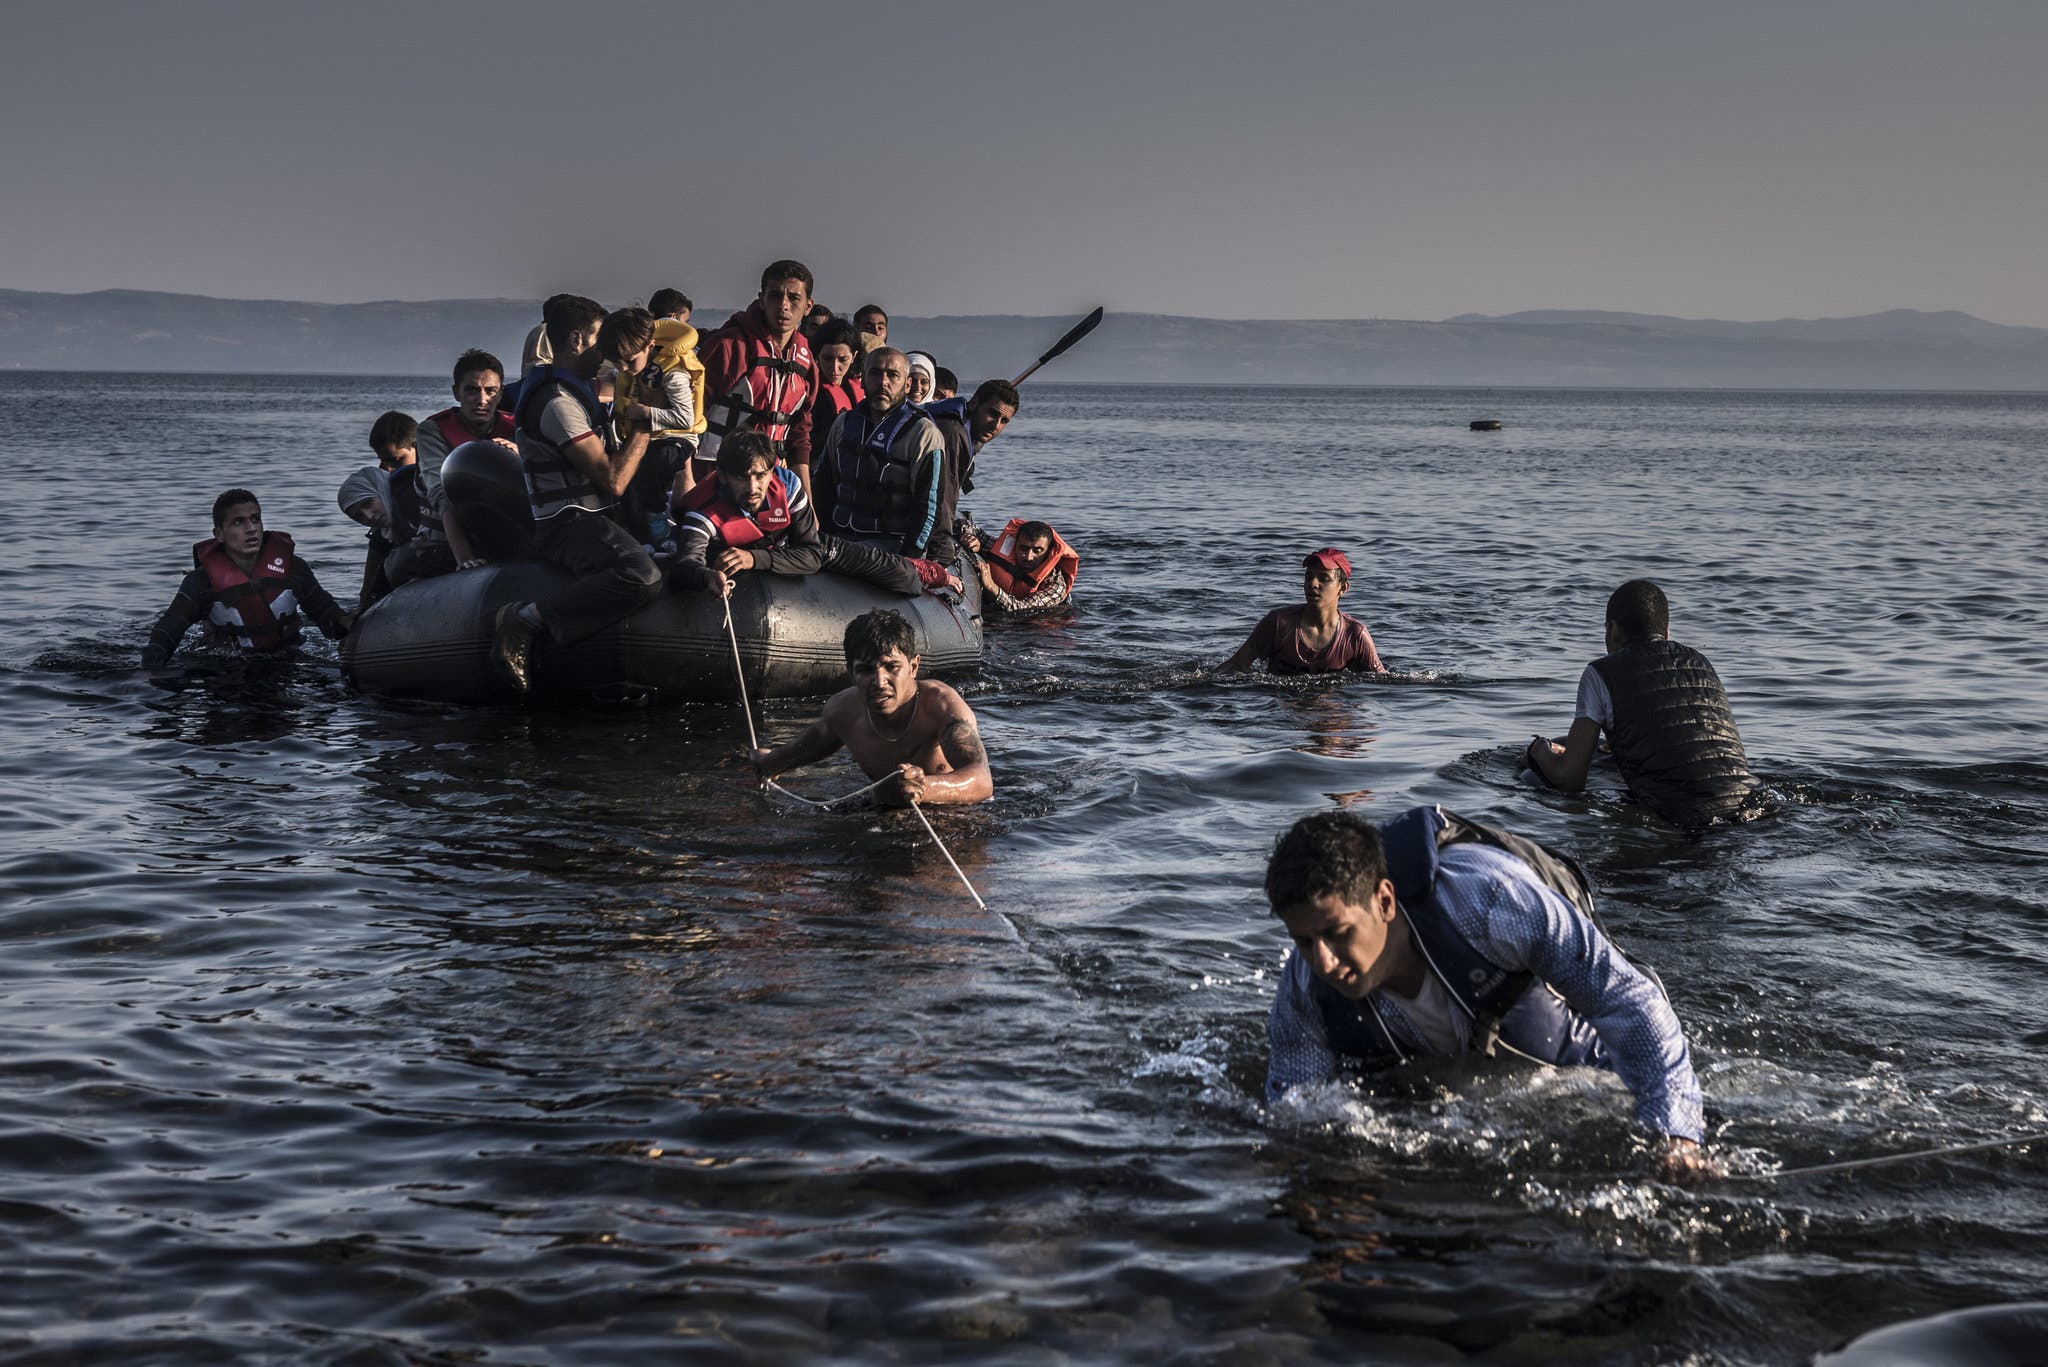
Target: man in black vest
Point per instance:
(883, 479)
(1666, 717)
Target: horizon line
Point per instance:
(1467, 316)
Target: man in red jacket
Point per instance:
(759, 374)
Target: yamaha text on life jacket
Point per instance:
(259, 608)
(734, 525)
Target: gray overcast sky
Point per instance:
(1276, 159)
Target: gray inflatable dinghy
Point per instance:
(431, 638)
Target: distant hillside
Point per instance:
(1900, 349)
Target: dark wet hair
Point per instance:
(473, 360)
(874, 634)
(945, 379)
(1032, 531)
(623, 332)
(737, 453)
(838, 332)
(230, 500)
(662, 303)
(1002, 391)
(565, 315)
(865, 309)
(1327, 854)
(1639, 610)
(779, 271)
(393, 429)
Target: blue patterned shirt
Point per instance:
(1500, 908)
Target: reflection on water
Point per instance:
(341, 1030)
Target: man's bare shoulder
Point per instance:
(841, 710)
(945, 698)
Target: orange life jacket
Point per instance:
(1002, 563)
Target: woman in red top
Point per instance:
(1314, 638)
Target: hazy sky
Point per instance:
(1273, 159)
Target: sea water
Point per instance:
(340, 1030)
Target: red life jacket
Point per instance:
(769, 391)
(254, 607)
(455, 431)
(1002, 563)
(833, 399)
(734, 525)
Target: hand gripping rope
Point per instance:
(740, 677)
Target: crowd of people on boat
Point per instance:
(792, 442)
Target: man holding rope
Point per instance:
(916, 735)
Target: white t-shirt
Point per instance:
(1429, 1011)
(1594, 699)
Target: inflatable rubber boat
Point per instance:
(432, 638)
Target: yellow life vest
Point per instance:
(675, 348)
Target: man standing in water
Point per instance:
(892, 722)
(1436, 936)
(1665, 713)
(249, 586)
(1314, 638)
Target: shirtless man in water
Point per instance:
(919, 730)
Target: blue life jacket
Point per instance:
(553, 481)
(950, 416)
(875, 474)
(1510, 1009)
(954, 408)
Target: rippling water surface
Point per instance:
(342, 1031)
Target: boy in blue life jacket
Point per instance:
(1437, 936)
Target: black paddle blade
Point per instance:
(1080, 330)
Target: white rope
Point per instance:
(829, 803)
(1847, 1164)
(740, 675)
(949, 856)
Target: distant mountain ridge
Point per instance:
(1865, 327)
(1896, 349)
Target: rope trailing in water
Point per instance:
(829, 803)
(1848, 1164)
(740, 677)
(949, 856)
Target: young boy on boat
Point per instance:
(918, 731)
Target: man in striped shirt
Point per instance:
(1436, 936)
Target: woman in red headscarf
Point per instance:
(1312, 637)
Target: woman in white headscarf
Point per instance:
(924, 375)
